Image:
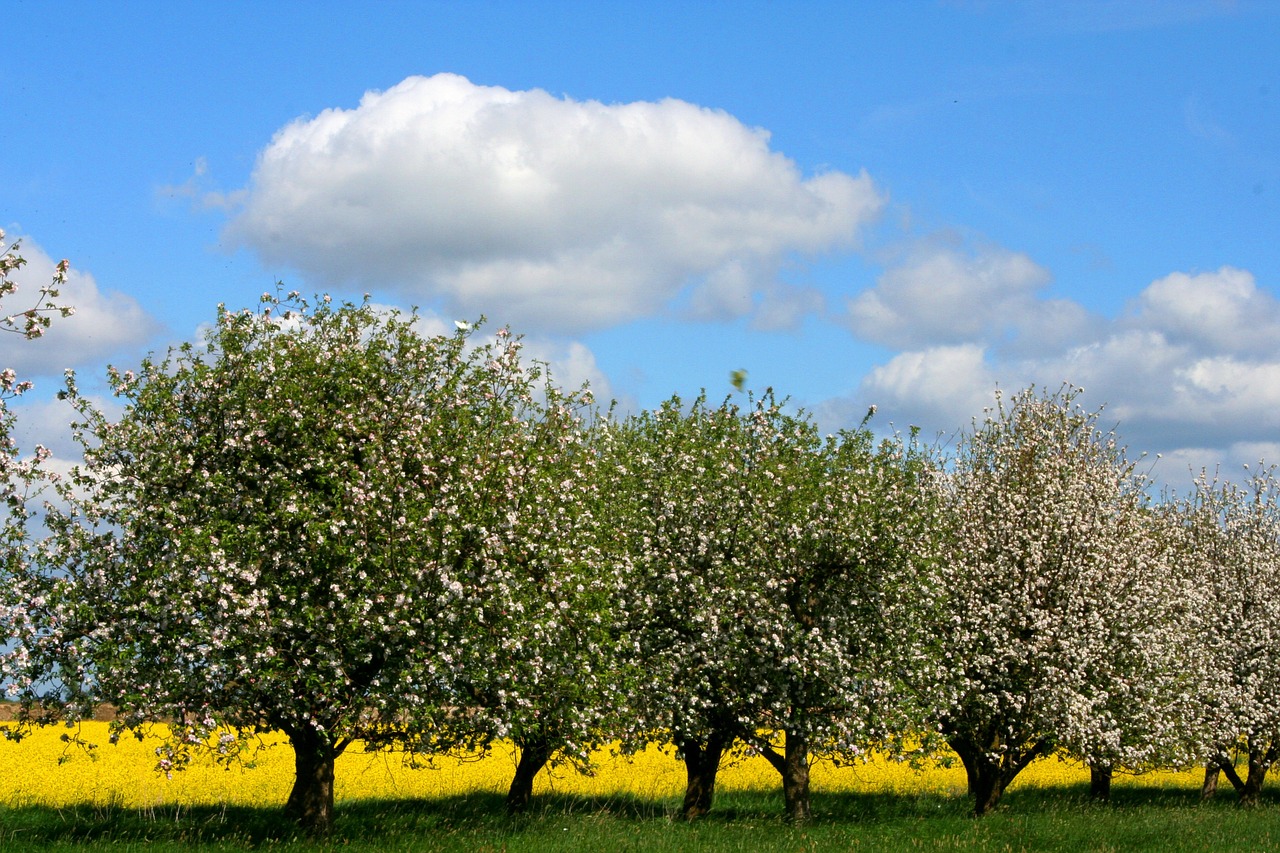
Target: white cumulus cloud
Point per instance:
(552, 214)
(1190, 369)
(931, 387)
(1221, 311)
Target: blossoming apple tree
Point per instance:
(757, 563)
(21, 478)
(541, 664)
(1233, 534)
(292, 527)
(1046, 614)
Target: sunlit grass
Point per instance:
(123, 775)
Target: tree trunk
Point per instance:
(795, 778)
(1211, 774)
(988, 778)
(1253, 782)
(984, 777)
(1100, 782)
(701, 764)
(971, 769)
(1250, 787)
(793, 766)
(535, 752)
(310, 803)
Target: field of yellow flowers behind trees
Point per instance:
(123, 775)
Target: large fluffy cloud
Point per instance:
(550, 213)
(105, 324)
(1189, 370)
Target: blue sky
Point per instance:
(905, 204)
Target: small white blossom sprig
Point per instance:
(25, 594)
(32, 322)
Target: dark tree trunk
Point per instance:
(1252, 787)
(984, 778)
(793, 766)
(1228, 768)
(1211, 774)
(535, 752)
(701, 764)
(310, 803)
(988, 778)
(795, 778)
(1100, 782)
(971, 770)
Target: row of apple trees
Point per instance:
(325, 522)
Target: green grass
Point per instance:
(1063, 819)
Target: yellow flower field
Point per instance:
(122, 775)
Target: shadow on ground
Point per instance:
(1059, 818)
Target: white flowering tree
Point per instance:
(1044, 612)
(757, 557)
(1233, 540)
(290, 528)
(1143, 687)
(21, 478)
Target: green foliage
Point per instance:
(321, 522)
(763, 562)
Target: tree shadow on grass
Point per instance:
(479, 820)
(368, 823)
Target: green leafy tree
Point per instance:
(758, 557)
(291, 528)
(541, 664)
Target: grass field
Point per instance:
(117, 802)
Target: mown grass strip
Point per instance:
(1053, 819)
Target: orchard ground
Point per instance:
(112, 797)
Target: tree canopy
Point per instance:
(1043, 608)
(297, 526)
(761, 559)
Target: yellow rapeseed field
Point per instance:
(123, 775)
